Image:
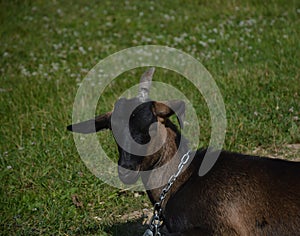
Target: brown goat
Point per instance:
(240, 195)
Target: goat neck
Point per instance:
(164, 163)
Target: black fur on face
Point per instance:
(136, 129)
(134, 124)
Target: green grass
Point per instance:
(46, 49)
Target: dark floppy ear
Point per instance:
(168, 108)
(91, 126)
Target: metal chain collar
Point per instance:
(156, 221)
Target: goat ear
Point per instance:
(168, 108)
(91, 126)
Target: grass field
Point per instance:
(46, 48)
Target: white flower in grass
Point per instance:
(59, 12)
(45, 18)
(168, 17)
(272, 22)
(24, 71)
(82, 50)
(55, 66)
(178, 39)
(109, 24)
(211, 41)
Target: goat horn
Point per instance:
(145, 84)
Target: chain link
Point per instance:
(185, 158)
(157, 212)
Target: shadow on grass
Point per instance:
(130, 228)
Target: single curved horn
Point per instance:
(145, 84)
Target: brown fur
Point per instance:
(240, 195)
